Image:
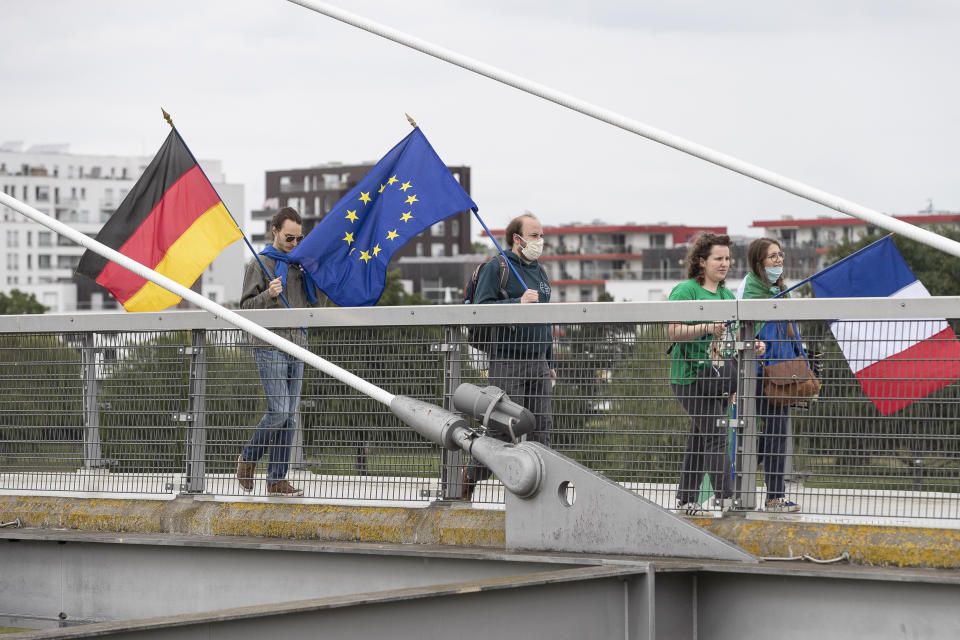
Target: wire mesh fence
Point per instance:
(150, 410)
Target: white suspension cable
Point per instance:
(236, 320)
(789, 185)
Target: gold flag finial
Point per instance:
(166, 116)
(411, 121)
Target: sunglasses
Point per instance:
(291, 238)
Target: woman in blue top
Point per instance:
(765, 280)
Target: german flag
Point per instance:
(171, 221)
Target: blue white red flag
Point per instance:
(896, 361)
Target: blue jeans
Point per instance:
(282, 377)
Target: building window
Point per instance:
(437, 249)
(437, 228)
(43, 194)
(419, 248)
(13, 238)
(43, 261)
(13, 262)
(67, 262)
(455, 228)
(658, 240)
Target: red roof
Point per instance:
(681, 233)
(554, 283)
(591, 256)
(847, 221)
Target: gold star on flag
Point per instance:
(411, 199)
(365, 256)
(365, 197)
(392, 234)
(405, 186)
(348, 238)
(376, 250)
(392, 180)
(381, 189)
(351, 216)
(406, 217)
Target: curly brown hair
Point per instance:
(701, 244)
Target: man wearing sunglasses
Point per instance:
(280, 373)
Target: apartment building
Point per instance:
(817, 236)
(83, 191)
(313, 191)
(628, 262)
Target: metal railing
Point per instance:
(163, 404)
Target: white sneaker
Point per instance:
(691, 509)
(781, 505)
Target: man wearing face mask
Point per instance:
(521, 361)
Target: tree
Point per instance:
(19, 302)
(938, 271)
(394, 294)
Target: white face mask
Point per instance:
(533, 249)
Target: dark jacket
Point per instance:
(256, 296)
(521, 341)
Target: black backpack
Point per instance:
(482, 336)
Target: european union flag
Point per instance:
(407, 191)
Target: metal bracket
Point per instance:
(579, 510)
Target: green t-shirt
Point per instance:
(687, 358)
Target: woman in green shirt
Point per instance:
(702, 387)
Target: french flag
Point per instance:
(895, 361)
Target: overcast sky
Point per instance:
(857, 98)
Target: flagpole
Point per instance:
(789, 185)
(312, 359)
(413, 124)
(166, 116)
(499, 248)
(829, 267)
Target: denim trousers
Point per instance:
(772, 448)
(282, 377)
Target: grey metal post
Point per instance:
(197, 423)
(788, 452)
(451, 462)
(92, 449)
(746, 485)
(296, 442)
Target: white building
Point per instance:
(826, 232)
(83, 191)
(628, 262)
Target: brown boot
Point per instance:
(466, 487)
(245, 471)
(284, 489)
